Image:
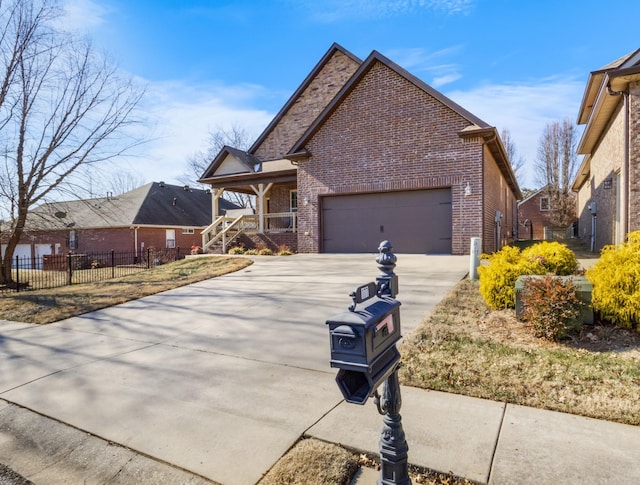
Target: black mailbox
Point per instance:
(363, 343)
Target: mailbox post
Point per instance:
(363, 348)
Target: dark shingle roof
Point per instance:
(155, 204)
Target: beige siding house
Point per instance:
(608, 180)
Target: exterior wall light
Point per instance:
(467, 190)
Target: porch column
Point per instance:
(215, 196)
(261, 191)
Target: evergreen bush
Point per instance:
(557, 258)
(498, 277)
(616, 282)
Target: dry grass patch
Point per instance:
(313, 462)
(46, 306)
(465, 348)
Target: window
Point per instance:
(170, 238)
(186, 230)
(544, 204)
(293, 201)
(73, 240)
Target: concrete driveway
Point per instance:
(219, 378)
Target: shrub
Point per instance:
(557, 258)
(251, 252)
(265, 252)
(498, 277)
(284, 250)
(551, 306)
(236, 250)
(616, 282)
(196, 250)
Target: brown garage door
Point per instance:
(416, 222)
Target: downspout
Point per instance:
(624, 196)
(135, 240)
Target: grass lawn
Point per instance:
(465, 348)
(51, 305)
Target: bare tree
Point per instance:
(236, 137)
(124, 181)
(62, 107)
(556, 166)
(517, 162)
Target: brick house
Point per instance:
(364, 151)
(535, 218)
(608, 180)
(156, 215)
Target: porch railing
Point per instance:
(224, 230)
(281, 222)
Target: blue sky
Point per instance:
(209, 63)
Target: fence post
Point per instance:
(18, 274)
(177, 257)
(69, 269)
(148, 257)
(113, 264)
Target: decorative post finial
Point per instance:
(387, 281)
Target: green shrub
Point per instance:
(498, 277)
(251, 252)
(551, 306)
(557, 258)
(265, 252)
(236, 250)
(616, 282)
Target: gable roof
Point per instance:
(362, 71)
(602, 96)
(298, 92)
(153, 204)
(246, 159)
(477, 128)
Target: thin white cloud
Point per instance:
(179, 118)
(446, 79)
(524, 109)
(418, 60)
(82, 15)
(335, 10)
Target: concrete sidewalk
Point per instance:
(217, 380)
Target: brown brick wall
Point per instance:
(307, 107)
(117, 239)
(272, 241)
(529, 211)
(386, 135)
(279, 197)
(497, 197)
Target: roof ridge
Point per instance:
(364, 68)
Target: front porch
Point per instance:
(270, 230)
(270, 188)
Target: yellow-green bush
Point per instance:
(498, 277)
(616, 282)
(557, 258)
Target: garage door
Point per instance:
(416, 222)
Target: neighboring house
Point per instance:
(364, 151)
(156, 215)
(535, 218)
(608, 180)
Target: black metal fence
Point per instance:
(53, 270)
